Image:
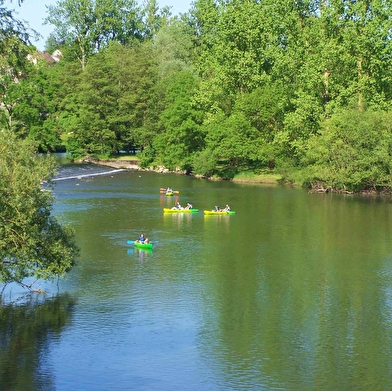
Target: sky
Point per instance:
(34, 11)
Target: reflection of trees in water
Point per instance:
(26, 332)
(143, 254)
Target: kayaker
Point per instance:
(217, 209)
(142, 239)
(169, 190)
(177, 206)
(188, 206)
(227, 208)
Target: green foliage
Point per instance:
(13, 62)
(204, 163)
(253, 82)
(172, 49)
(233, 138)
(14, 38)
(147, 157)
(35, 107)
(352, 152)
(180, 122)
(90, 25)
(32, 241)
(154, 18)
(135, 75)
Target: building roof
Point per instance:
(47, 57)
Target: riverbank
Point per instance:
(265, 178)
(133, 164)
(127, 164)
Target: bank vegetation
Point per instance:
(295, 91)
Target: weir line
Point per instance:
(87, 175)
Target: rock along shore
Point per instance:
(129, 164)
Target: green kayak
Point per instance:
(139, 245)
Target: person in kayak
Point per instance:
(226, 209)
(177, 206)
(216, 209)
(142, 239)
(169, 190)
(188, 206)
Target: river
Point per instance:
(293, 292)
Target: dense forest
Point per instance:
(302, 89)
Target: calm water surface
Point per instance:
(293, 292)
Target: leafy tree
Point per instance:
(96, 107)
(136, 75)
(34, 106)
(352, 152)
(106, 111)
(204, 162)
(89, 25)
(233, 139)
(172, 49)
(24, 100)
(12, 28)
(154, 18)
(65, 79)
(180, 123)
(14, 38)
(357, 51)
(264, 109)
(32, 242)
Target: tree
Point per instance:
(89, 25)
(30, 106)
(12, 27)
(106, 111)
(136, 77)
(180, 123)
(172, 49)
(154, 18)
(233, 139)
(14, 38)
(353, 152)
(32, 241)
(94, 108)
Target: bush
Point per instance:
(352, 152)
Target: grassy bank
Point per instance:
(250, 177)
(267, 177)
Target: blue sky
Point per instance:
(34, 11)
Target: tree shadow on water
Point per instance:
(26, 333)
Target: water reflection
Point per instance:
(27, 332)
(141, 254)
(179, 219)
(168, 202)
(217, 221)
(293, 292)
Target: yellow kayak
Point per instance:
(169, 210)
(213, 212)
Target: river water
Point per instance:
(293, 292)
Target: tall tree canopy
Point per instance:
(89, 25)
(32, 242)
(248, 84)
